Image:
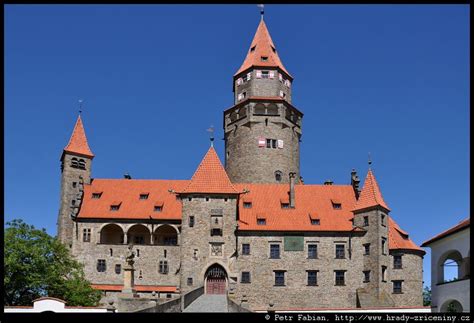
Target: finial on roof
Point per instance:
(262, 12)
(80, 106)
(211, 134)
(369, 161)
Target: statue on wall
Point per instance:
(130, 256)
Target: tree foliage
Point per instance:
(37, 265)
(426, 296)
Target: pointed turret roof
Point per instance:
(262, 46)
(210, 177)
(78, 141)
(370, 195)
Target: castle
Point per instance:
(252, 229)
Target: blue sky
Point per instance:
(392, 80)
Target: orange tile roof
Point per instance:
(127, 193)
(262, 41)
(399, 239)
(78, 141)
(370, 195)
(210, 177)
(138, 288)
(458, 227)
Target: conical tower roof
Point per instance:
(370, 195)
(210, 177)
(262, 46)
(78, 141)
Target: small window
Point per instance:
(261, 221)
(118, 269)
(164, 253)
(384, 270)
(216, 232)
(74, 184)
(144, 196)
(279, 278)
(397, 286)
(253, 48)
(111, 252)
(367, 249)
(312, 251)
(315, 221)
(191, 221)
(274, 251)
(207, 199)
(86, 235)
(339, 276)
(285, 205)
(189, 281)
(81, 164)
(73, 202)
(245, 279)
(245, 248)
(366, 221)
(265, 74)
(278, 175)
(269, 143)
(336, 206)
(163, 267)
(96, 195)
(138, 252)
(312, 277)
(382, 219)
(384, 240)
(74, 163)
(247, 205)
(158, 208)
(168, 295)
(115, 207)
(264, 59)
(366, 276)
(101, 266)
(274, 143)
(397, 262)
(340, 251)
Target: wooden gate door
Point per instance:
(216, 280)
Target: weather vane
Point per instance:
(261, 6)
(370, 160)
(211, 134)
(80, 106)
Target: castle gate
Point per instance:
(216, 278)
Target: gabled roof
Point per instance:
(370, 195)
(262, 45)
(398, 238)
(78, 141)
(210, 177)
(464, 224)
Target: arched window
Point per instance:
(82, 164)
(450, 268)
(278, 175)
(111, 234)
(272, 109)
(165, 235)
(138, 234)
(242, 112)
(451, 306)
(74, 163)
(233, 116)
(259, 109)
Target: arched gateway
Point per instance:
(215, 280)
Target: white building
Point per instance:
(450, 248)
(51, 304)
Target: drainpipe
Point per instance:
(292, 190)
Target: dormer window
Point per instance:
(264, 58)
(96, 195)
(158, 207)
(253, 48)
(315, 221)
(261, 221)
(285, 205)
(336, 205)
(247, 205)
(144, 196)
(115, 206)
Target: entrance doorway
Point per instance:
(216, 280)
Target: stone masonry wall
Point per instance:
(411, 274)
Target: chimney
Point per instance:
(328, 182)
(292, 190)
(355, 183)
(127, 176)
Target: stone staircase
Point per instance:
(208, 303)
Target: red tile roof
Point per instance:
(370, 195)
(138, 288)
(458, 227)
(78, 141)
(126, 192)
(210, 177)
(263, 46)
(399, 239)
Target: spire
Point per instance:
(210, 177)
(262, 51)
(78, 142)
(370, 195)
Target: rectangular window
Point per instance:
(269, 143)
(189, 281)
(367, 249)
(163, 267)
(245, 279)
(274, 251)
(340, 251)
(158, 208)
(247, 205)
(274, 143)
(114, 207)
(312, 251)
(96, 195)
(74, 184)
(101, 266)
(73, 202)
(191, 221)
(245, 248)
(312, 277)
(366, 276)
(366, 221)
(397, 286)
(336, 206)
(264, 59)
(86, 235)
(265, 74)
(397, 262)
(216, 232)
(382, 219)
(279, 278)
(384, 240)
(261, 221)
(384, 270)
(143, 196)
(339, 274)
(315, 222)
(285, 205)
(118, 269)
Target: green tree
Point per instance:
(426, 296)
(37, 264)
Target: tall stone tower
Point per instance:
(76, 162)
(262, 129)
(371, 214)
